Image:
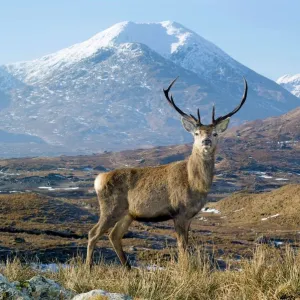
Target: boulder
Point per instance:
(94, 293)
(9, 291)
(38, 287)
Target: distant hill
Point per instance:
(280, 206)
(106, 92)
(282, 128)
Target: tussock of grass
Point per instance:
(270, 274)
(14, 270)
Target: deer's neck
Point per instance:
(200, 170)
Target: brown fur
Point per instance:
(174, 191)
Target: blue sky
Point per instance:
(261, 34)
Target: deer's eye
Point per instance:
(215, 134)
(196, 133)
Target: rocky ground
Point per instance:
(39, 287)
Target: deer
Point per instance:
(176, 191)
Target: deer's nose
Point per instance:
(206, 142)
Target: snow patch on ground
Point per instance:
(49, 188)
(239, 209)
(270, 217)
(154, 268)
(266, 176)
(210, 210)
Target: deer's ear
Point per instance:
(188, 126)
(222, 126)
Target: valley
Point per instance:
(48, 204)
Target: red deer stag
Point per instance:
(174, 191)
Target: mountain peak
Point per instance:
(288, 78)
(164, 38)
(291, 83)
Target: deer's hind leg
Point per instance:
(103, 225)
(116, 236)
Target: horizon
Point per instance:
(247, 35)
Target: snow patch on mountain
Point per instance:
(166, 38)
(32, 71)
(291, 83)
(8, 81)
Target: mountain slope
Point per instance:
(106, 93)
(275, 129)
(279, 206)
(291, 83)
(189, 50)
(113, 97)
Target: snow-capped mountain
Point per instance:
(106, 93)
(291, 83)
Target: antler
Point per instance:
(183, 114)
(215, 122)
(196, 121)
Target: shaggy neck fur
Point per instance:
(201, 170)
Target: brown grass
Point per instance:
(31, 210)
(251, 208)
(271, 274)
(14, 270)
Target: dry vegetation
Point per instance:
(280, 128)
(270, 274)
(250, 208)
(31, 210)
(55, 229)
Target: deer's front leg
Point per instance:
(182, 227)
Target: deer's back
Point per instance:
(148, 193)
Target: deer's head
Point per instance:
(205, 136)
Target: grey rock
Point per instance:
(9, 291)
(38, 287)
(93, 293)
